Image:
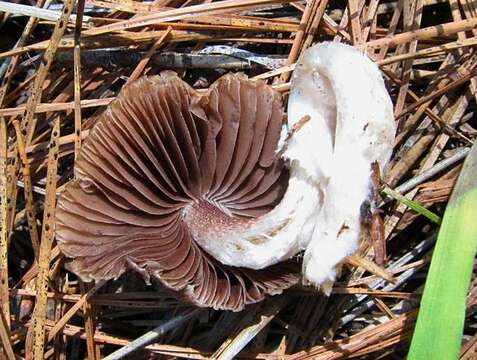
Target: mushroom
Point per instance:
(192, 189)
(166, 168)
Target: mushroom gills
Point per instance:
(170, 165)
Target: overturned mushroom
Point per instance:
(192, 189)
(166, 168)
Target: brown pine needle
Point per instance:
(47, 233)
(357, 261)
(4, 295)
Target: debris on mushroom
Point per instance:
(201, 191)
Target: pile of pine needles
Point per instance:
(61, 63)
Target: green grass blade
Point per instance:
(412, 205)
(438, 331)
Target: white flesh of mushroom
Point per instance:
(351, 125)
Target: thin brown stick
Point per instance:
(28, 122)
(28, 189)
(384, 308)
(47, 234)
(5, 338)
(439, 49)
(45, 107)
(354, 19)
(443, 90)
(144, 61)
(300, 34)
(4, 292)
(90, 327)
(12, 66)
(77, 75)
(311, 31)
(424, 34)
(366, 264)
(377, 293)
(73, 310)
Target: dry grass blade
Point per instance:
(77, 76)
(234, 344)
(29, 201)
(93, 349)
(142, 64)
(424, 34)
(354, 19)
(43, 108)
(221, 7)
(35, 96)
(429, 51)
(151, 336)
(47, 234)
(396, 329)
(5, 337)
(12, 66)
(4, 292)
(368, 265)
(79, 304)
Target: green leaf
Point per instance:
(438, 331)
(412, 205)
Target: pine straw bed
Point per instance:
(426, 51)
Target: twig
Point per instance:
(35, 97)
(355, 26)
(147, 57)
(12, 65)
(436, 169)
(36, 12)
(419, 249)
(90, 327)
(150, 336)
(187, 12)
(69, 314)
(462, 80)
(368, 265)
(47, 107)
(28, 190)
(429, 51)
(5, 337)
(77, 76)
(424, 34)
(120, 57)
(47, 234)
(300, 34)
(234, 344)
(4, 293)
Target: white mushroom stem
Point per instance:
(359, 117)
(351, 125)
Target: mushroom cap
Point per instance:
(165, 164)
